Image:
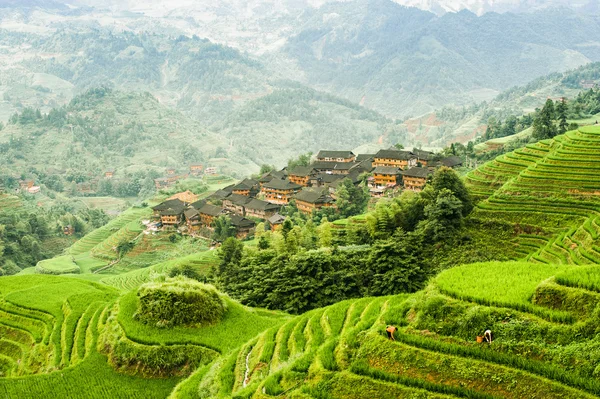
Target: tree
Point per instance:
(561, 114)
(302, 160)
(223, 228)
(443, 217)
(399, 146)
(325, 234)
(543, 124)
(446, 178)
(230, 253)
(351, 200)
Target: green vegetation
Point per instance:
(179, 301)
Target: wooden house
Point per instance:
(208, 213)
(260, 209)
(247, 187)
(425, 158)
(415, 178)
(68, 230)
(309, 200)
(192, 220)
(211, 170)
(196, 169)
(171, 171)
(275, 174)
(387, 176)
(394, 157)
(301, 175)
(335, 156)
(279, 191)
(109, 174)
(187, 197)
(25, 184)
(324, 179)
(335, 168)
(452, 161)
(276, 220)
(170, 212)
(235, 203)
(243, 227)
(168, 204)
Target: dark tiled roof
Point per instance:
(277, 184)
(387, 170)
(364, 157)
(219, 195)
(211, 210)
(198, 204)
(238, 199)
(260, 205)
(191, 214)
(313, 197)
(421, 154)
(417, 172)
(333, 165)
(328, 177)
(276, 219)
(170, 204)
(246, 184)
(335, 154)
(395, 154)
(241, 222)
(267, 177)
(301, 171)
(452, 161)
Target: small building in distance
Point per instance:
(452, 161)
(309, 200)
(243, 227)
(425, 158)
(394, 157)
(211, 170)
(208, 214)
(415, 178)
(260, 209)
(301, 175)
(25, 184)
(276, 220)
(335, 156)
(170, 212)
(588, 84)
(109, 173)
(247, 187)
(387, 176)
(187, 197)
(279, 191)
(171, 171)
(192, 220)
(235, 203)
(196, 169)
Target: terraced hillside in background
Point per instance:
(551, 190)
(342, 352)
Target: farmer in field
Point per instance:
(487, 335)
(390, 330)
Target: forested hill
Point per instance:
(404, 61)
(105, 129)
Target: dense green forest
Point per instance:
(394, 248)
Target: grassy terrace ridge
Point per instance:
(549, 186)
(341, 351)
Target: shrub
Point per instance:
(179, 301)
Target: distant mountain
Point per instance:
(480, 7)
(404, 61)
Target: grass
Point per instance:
(503, 284)
(587, 277)
(59, 265)
(239, 325)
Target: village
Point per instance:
(310, 188)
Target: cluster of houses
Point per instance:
(311, 187)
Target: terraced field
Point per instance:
(8, 201)
(342, 351)
(90, 241)
(551, 188)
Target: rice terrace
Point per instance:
(70, 332)
(300, 199)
